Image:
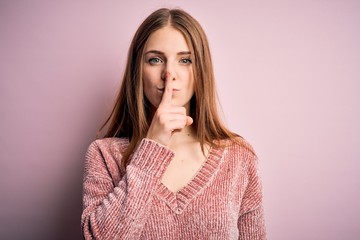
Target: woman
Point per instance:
(167, 167)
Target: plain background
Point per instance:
(288, 76)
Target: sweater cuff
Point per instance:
(152, 157)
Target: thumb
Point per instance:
(189, 121)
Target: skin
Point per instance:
(169, 85)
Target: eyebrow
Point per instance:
(161, 53)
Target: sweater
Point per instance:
(222, 201)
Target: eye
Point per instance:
(186, 60)
(155, 60)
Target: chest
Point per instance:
(183, 168)
(205, 208)
(212, 214)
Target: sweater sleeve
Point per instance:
(120, 211)
(251, 222)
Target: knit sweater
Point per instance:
(222, 201)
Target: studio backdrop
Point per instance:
(288, 80)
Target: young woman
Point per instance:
(167, 167)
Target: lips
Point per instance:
(174, 89)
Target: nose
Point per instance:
(168, 69)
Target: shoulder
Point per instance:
(240, 151)
(238, 145)
(109, 145)
(104, 156)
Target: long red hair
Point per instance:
(130, 117)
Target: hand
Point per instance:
(167, 118)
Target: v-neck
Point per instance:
(177, 201)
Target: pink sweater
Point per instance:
(223, 201)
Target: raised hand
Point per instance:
(167, 118)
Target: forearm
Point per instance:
(252, 225)
(120, 212)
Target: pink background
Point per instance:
(288, 76)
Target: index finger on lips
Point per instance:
(168, 89)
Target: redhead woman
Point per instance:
(167, 168)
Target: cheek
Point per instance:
(190, 81)
(147, 80)
(150, 77)
(187, 76)
(150, 91)
(147, 88)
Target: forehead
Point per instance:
(167, 40)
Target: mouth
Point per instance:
(162, 89)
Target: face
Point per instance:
(167, 51)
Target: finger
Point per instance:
(176, 124)
(189, 121)
(173, 110)
(165, 119)
(168, 89)
(179, 122)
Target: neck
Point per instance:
(183, 136)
